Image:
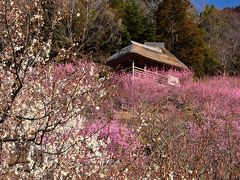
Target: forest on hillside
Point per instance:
(65, 115)
(208, 42)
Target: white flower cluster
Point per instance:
(51, 110)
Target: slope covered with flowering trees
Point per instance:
(67, 121)
(64, 122)
(191, 130)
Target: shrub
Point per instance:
(189, 131)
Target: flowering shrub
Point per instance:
(121, 137)
(42, 126)
(43, 106)
(189, 131)
(58, 121)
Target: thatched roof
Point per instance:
(148, 53)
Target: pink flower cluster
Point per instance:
(120, 136)
(210, 108)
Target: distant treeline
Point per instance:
(208, 42)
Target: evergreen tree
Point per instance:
(177, 27)
(136, 25)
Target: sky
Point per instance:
(218, 3)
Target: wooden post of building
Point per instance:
(145, 68)
(133, 67)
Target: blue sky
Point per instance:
(218, 3)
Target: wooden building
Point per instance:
(139, 58)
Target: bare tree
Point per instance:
(222, 35)
(85, 26)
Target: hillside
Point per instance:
(65, 115)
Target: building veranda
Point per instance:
(145, 59)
